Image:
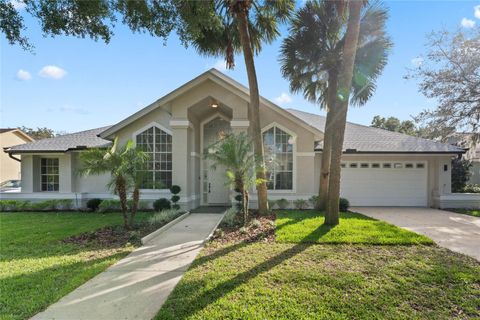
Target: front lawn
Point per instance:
(322, 279)
(470, 212)
(307, 226)
(37, 268)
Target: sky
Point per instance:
(70, 84)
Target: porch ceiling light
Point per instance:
(214, 105)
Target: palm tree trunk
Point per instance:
(122, 194)
(254, 107)
(327, 141)
(135, 200)
(340, 113)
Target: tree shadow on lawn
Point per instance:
(199, 302)
(27, 293)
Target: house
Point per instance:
(380, 168)
(10, 166)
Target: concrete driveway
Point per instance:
(457, 232)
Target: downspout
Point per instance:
(16, 159)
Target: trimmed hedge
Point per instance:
(47, 205)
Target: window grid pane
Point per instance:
(279, 159)
(49, 174)
(158, 146)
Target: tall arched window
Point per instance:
(278, 146)
(158, 170)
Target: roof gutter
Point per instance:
(354, 151)
(12, 157)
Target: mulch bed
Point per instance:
(265, 233)
(112, 236)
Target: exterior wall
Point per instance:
(10, 169)
(475, 170)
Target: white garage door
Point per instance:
(384, 183)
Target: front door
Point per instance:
(215, 189)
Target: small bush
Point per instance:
(162, 204)
(243, 230)
(256, 223)
(238, 198)
(230, 217)
(218, 233)
(283, 203)
(14, 205)
(175, 189)
(271, 204)
(175, 199)
(64, 204)
(313, 201)
(343, 205)
(300, 204)
(109, 205)
(472, 188)
(163, 217)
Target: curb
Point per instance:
(214, 228)
(155, 233)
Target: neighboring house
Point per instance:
(464, 140)
(10, 168)
(380, 168)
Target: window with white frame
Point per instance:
(278, 147)
(49, 174)
(157, 144)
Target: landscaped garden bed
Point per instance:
(470, 212)
(309, 271)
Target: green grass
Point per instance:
(307, 226)
(37, 269)
(470, 212)
(318, 281)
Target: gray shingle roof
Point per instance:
(374, 140)
(64, 143)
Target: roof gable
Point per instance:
(218, 78)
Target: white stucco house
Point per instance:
(380, 168)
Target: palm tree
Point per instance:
(225, 27)
(234, 152)
(311, 58)
(124, 166)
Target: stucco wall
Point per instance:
(9, 168)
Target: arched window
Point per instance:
(158, 170)
(278, 146)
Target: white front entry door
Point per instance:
(218, 192)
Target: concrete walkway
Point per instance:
(138, 285)
(457, 232)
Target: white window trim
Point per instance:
(134, 139)
(294, 155)
(40, 172)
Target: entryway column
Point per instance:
(239, 125)
(181, 157)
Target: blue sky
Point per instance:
(72, 84)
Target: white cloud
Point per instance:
(467, 23)
(18, 4)
(283, 99)
(23, 75)
(52, 72)
(72, 109)
(417, 61)
(476, 10)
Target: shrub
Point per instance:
(162, 204)
(243, 230)
(109, 205)
(92, 204)
(218, 233)
(142, 204)
(460, 174)
(343, 205)
(230, 217)
(282, 203)
(313, 201)
(14, 205)
(472, 188)
(47, 205)
(163, 217)
(238, 198)
(256, 223)
(175, 190)
(300, 204)
(64, 204)
(272, 203)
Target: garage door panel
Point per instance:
(384, 187)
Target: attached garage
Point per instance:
(385, 183)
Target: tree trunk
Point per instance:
(254, 107)
(122, 194)
(341, 108)
(327, 141)
(135, 200)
